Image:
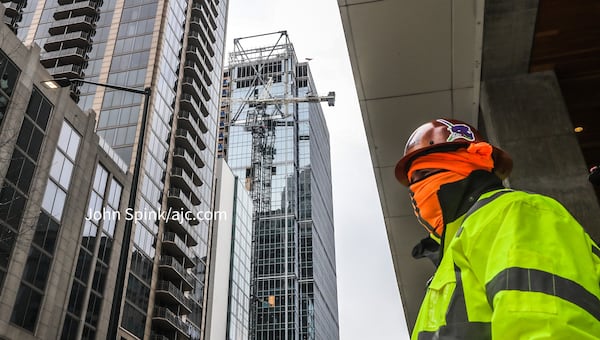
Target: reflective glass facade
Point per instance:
(239, 290)
(292, 298)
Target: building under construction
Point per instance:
(274, 136)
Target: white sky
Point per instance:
(368, 296)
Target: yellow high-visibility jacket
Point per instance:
(516, 266)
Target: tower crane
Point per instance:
(261, 123)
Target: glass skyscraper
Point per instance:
(279, 144)
(177, 49)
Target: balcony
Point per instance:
(191, 164)
(69, 40)
(179, 200)
(198, 55)
(13, 9)
(174, 245)
(77, 9)
(189, 103)
(67, 71)
(174, 271)
(183, 228)
(191, 70)
(197, 37)
(170, 294)
(191, 123)
(74, 55)
(181, 179)
(163, 317)
(198, 19)
(83, 23)
(189, 81)
(193, 145)
(189, 86)
(201, 9)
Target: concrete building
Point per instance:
(278, 143)
(57, 261)
(525, 72)
(176, 49)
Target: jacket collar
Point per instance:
(455, 200)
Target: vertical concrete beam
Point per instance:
(508, 32)
(526, 116)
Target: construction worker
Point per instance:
(511, 264)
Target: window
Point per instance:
(105, 248)
(68, 141)
(133, 320)
(88, 333)
(114, 195)
(46, 232)
(20, 171)
(54, 200)
(99, 277)
(36, 268)
(3, 105)
(12, 204)
(76, 298)
(8, 78)
(39, 109)
(27, 307)
(141, 266)
(95, 207)
(84, 261)
(61, 169)
(137, 292)
(30, 139)
(100, 180)
(93, 311)
(69, 328)
(7, 240)
(88, 239)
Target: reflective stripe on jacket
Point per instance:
(518, 267)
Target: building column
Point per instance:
(526, 115)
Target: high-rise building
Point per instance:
(176, 49)
(57, 261)
(276, 139)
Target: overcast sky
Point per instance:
(368, 296)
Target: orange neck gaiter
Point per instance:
(459, 164)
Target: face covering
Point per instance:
(425, 201)
(458, 165)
